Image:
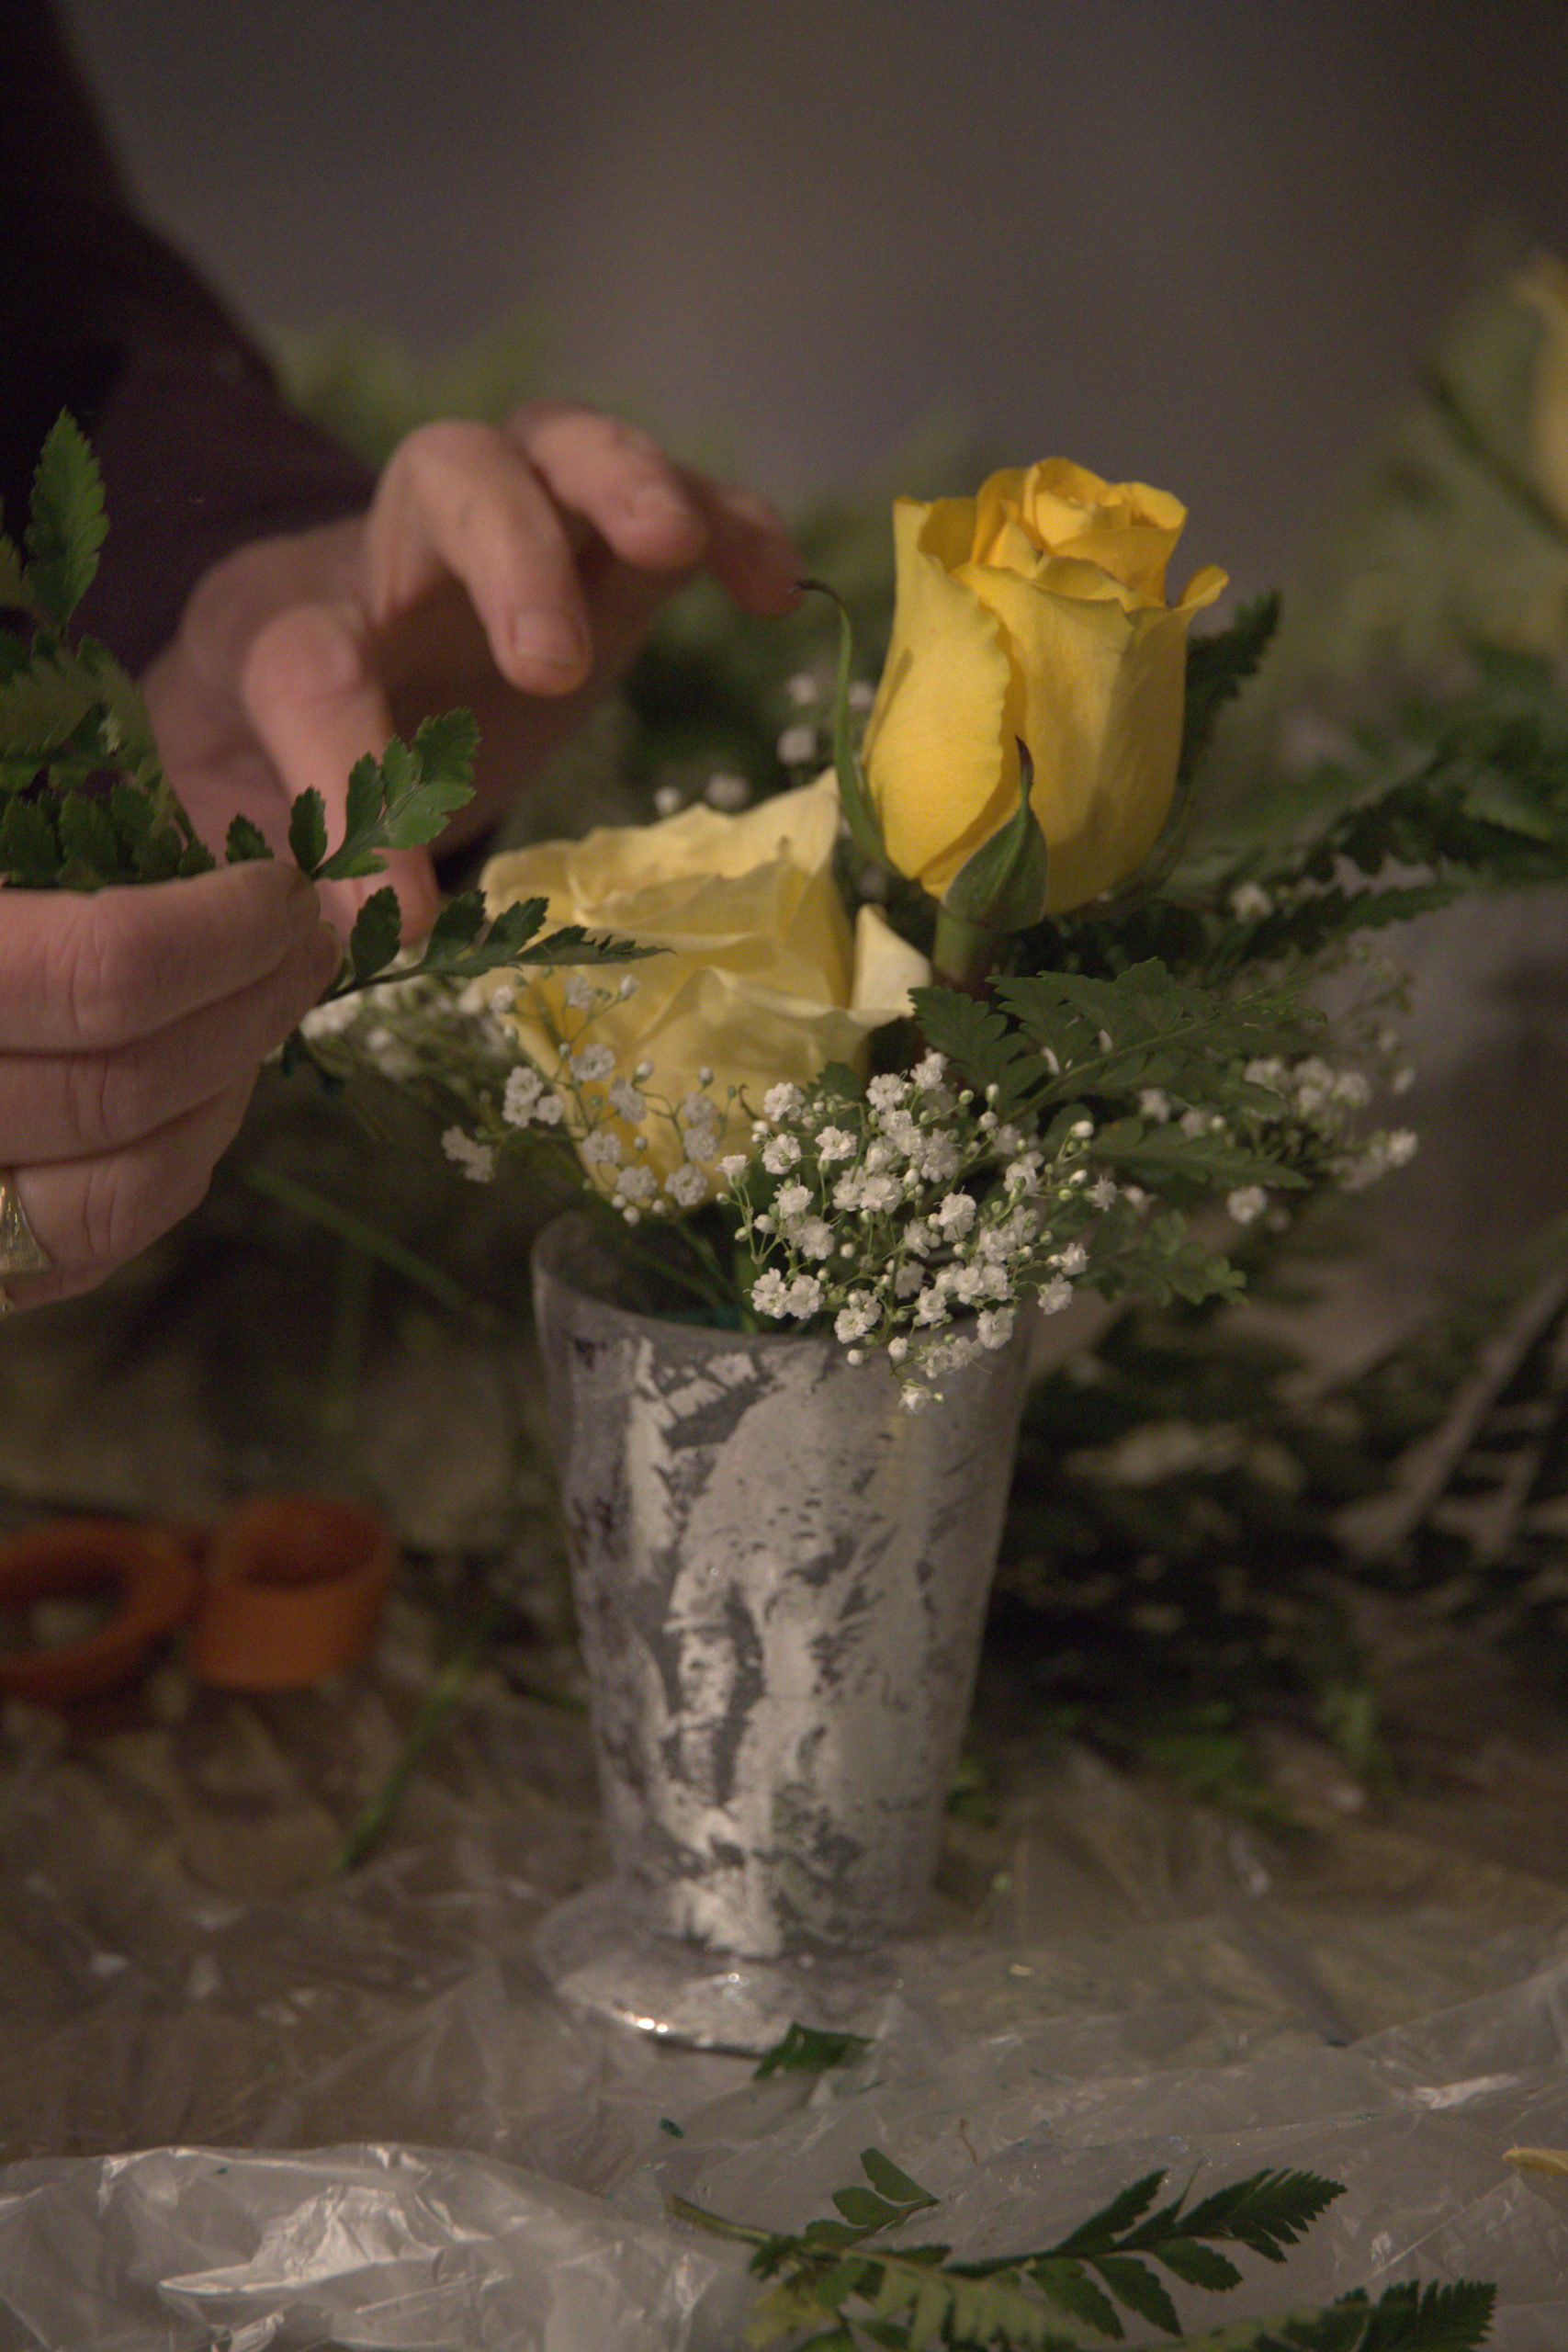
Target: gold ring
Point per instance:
(21, 1251)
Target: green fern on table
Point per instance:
(838, 2286)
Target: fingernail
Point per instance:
(550, 639)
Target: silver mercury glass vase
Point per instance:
(781, 1581)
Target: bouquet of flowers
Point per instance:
(961, 1024)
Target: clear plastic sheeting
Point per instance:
(183, 2248)
(248, 2101)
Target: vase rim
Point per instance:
(575, 1235)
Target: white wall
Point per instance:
(1198, 240)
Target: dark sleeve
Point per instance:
(199, 451)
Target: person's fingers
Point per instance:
(460, 500)
(653, 513)
(69, 1106)
(89, 971)
(308, 689)
(91, 1214)
(616, 478)
(750, 553)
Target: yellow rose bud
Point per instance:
(1033, 612)
(761, 979)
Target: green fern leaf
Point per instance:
(66, 526)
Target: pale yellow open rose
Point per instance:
(761, 979)
(1036, 612)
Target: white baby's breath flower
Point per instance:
(940, 1157)
(781, 1102)
(779, 1153)
(733, 1166)
(955, 1217)
(1103, 1194)
(797, 744)
(792, 1199)
(475, 1160)
(1154, 1104)
(1054, 1295)
(929, 1072)
(626, 1102)
(770, 1293)
(331, 1019)
(856, 1317)
(814, 1238)
(669, 800)
(550, 1109)
(803, 690)
(804, 1297)
(727, 792)
(601, 1149)
(686, 1186)
(578, 991)
(887, 1093)
(1248, 1202)
(862, 694)
(1250, 902)
(592, 1063)
(1074, 1258)
(834, 1144)
(520, 1096)
(636, 1183)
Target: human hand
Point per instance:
(132, 1025)
(513, 569)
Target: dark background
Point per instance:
(1199, 242)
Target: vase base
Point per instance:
(599, 1954)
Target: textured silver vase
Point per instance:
(781, 1581)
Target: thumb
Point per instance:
(317, 707)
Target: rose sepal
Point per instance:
(853, 799)
(1002, 885)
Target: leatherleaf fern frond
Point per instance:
(838, 2284)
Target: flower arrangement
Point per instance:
(967, 1022)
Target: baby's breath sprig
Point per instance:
(916, 1214)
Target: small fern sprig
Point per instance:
(832, 2278)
